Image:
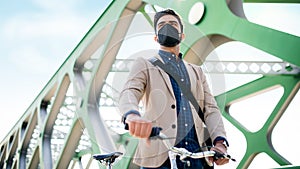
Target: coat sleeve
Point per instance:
(212, 114)
(134, 87)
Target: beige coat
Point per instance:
(152, 85)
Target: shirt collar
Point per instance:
(168, 56)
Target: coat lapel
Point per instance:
(193, 79)
(166, 78)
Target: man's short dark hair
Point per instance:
(160, 14)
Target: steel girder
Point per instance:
(65, 122)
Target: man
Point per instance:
(166, 106)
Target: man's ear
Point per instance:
(155, 38)
(182, 36)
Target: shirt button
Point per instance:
(184, 108)
(173, 126)
(188, 163)
(185, 125)
(173, 106)
(186, 143)
(182, 80)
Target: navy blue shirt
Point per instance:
(186, 133)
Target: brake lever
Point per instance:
(219, 155)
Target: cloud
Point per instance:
(38, 26)
(41, 41)
(57, 5)
(31, 60)
(276, 16)
(36, 40)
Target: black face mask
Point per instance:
(168, 36)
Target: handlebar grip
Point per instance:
(126, 126)
(218, 155)
(221, 155)
(155, 131)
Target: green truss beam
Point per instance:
(290, 85)
(52, 118)
(273, 1)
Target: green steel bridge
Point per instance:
(75, 115)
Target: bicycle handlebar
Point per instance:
(156, 134)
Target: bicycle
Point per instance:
(173, 152)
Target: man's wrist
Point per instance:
(221, 140)
(221, 143)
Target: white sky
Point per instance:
(37, 36)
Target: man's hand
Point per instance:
(138, 127)
(219, 147)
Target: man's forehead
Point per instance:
(167, 18)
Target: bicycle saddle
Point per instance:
(107, 158)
